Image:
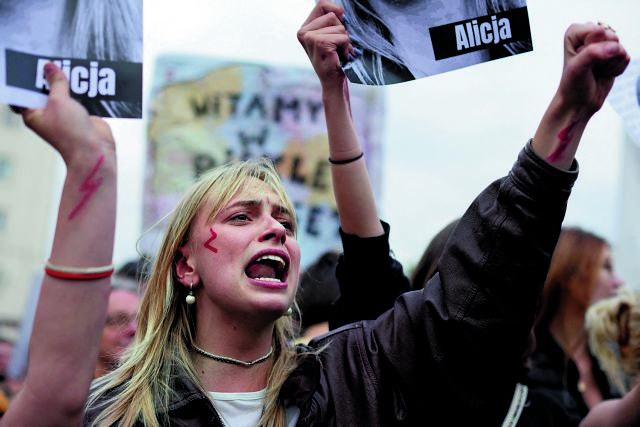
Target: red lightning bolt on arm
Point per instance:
(593, 58)
(88, 187)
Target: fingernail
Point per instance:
(355, 38)
(612, 48)
(357, 51)
(49, 69)
(345, 18)
(350, 58)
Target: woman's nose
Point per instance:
(275, 231)
(617, 281)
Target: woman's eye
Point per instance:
(287, 224)
(240, 217)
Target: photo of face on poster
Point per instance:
(97, 43)
(403, 40)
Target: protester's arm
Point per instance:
(370, 279)
(623, 412)
(70, 314)
(593, 58)
(326, 42)
(494, 267)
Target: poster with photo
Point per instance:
(398, 41)
(206, 111)
(97, 44)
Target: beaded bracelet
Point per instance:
(78, 273)
(344, 162)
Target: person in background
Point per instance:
(122, 312)
(120, 324)
(428, 264)
(581, 273)
(317, 291)
(613, 326)
(613, 329)
(136, 271)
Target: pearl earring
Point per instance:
(190, 298)
(289, 312)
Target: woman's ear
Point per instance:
(623, 318)
(185, 268)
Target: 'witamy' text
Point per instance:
(82, 81)
(472, 34)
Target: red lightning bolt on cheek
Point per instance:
(207, 244)
(88, 187)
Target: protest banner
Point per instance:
(205, 112)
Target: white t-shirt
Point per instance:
(244, 409)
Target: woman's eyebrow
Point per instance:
(242, 204)
(280, 208)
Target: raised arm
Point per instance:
(327, 44)
(593, 57)
(493, 271)
(365, 292)
(74, 294)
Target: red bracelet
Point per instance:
(78, 273)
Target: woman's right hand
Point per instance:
(65, 124)
(593, 58)
(327, 43)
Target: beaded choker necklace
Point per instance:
(231, 360)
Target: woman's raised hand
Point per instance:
(65, 124)
(326, 41)
(593, 58)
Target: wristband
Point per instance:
(78, 273)
(344, 162)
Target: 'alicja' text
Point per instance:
(474, 33)
(90, 81)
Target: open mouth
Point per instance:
(268, 268)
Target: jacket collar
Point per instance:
(184, 390)
(303, 381)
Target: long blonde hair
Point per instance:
(613, 325)
(140, 389)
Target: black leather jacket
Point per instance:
(448, 355)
